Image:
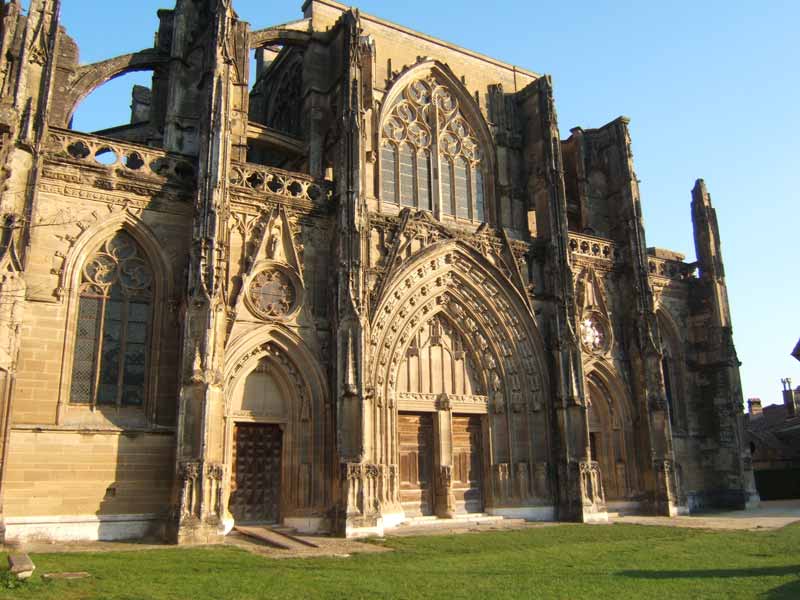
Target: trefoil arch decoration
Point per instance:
(433, 156)
(287, 351)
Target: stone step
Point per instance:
(461, 520)
(292, 534)
(274, 536)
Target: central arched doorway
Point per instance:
(460, 390)
(439, 373)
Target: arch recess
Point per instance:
(453, 278)
(144, 235)
(244, 353)
(612, 432)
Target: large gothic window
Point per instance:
(427, 146)
(113, 327)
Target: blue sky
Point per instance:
(711, 89)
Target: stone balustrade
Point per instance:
(595, 247)
(119, 157)
(277, 182)
(669, 269)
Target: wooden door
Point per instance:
(256, 474)
(416, 463)
(467, 463)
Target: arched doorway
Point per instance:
(456, 367)
(257, 449)
(439, 373)
(278, 441)
(611, 440)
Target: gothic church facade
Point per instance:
(365, 281)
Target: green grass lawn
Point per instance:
(568, 561)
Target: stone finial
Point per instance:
(791, 398)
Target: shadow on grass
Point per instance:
(787, 591)
(757, 572)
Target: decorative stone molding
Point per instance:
(591, 481)
(277, 183)
(594, 247)
(275, 292)
(115, 157)
(201, 490)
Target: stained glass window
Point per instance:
(424, 179)
(407, 176)
(425, 112)
(113, 327)
(447, 187)
(388, 178)
(461, 193)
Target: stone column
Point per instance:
(444, 500)
(206, 119)
(578, 499)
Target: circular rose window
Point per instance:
(593, 333)
(272, 293)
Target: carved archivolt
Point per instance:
(267, 356)
(449, 279)
(286, 350)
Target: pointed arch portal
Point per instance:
(612, 439)
(457, 373)
(278, 431)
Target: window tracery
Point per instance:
(113, 326)
(425, 135)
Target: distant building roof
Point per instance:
(773, 430)
(796, 351)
